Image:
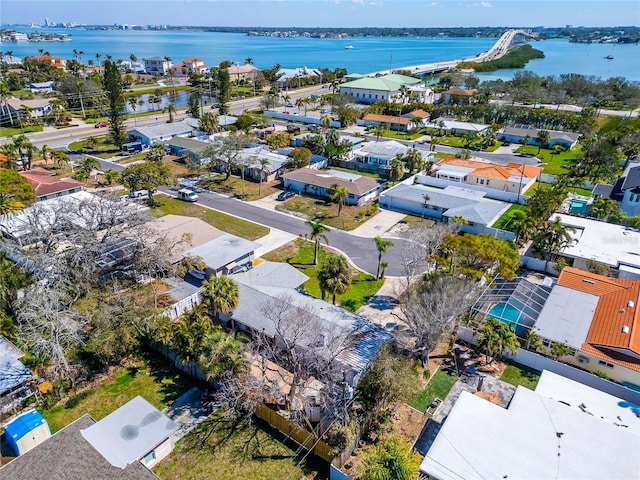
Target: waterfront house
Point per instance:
(191, 65)
(57, 62)
(361, 190)
(517, 134)
(242, 72)
(626, 190)
(10, 60)
(298, 77)
(511, 177)
(563, 430)
(157, 65)
(389, 88)
(446, 204)
(124, 445)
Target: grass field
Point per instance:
(504, 221)
(327, 212)
(103, 148)
(250, 190)
(14, 132)
(554, 164)
(166, 205)
(252, 452)
(299, 254)
(150, 379)
(517, 374)
(438, 386)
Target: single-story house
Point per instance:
(421, 114)
(399, 124)
(517, 134)
(124, 445)
(457, 95)
(242, 72)
(14, 377)
(369, 90)
(157, 65)
(34, 108)
(613, 245)
(223, 121)
(353, 340)
(456, 127)
(271, 171)
(379, 153)
(188, 147)
(221, 251)
(41, 87)
(316, 182)
(26, 431)
(597, 318)
(445, 204)
(626, 190)
(562, 430)
(507, 178)
(47, 185)
(163, 131)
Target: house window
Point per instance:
(487, 182)
(482, 181)
(606, 364)
(150, 457)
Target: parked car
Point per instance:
(101, 125)
(285, 196)
(138, 193)
(293, 128)
(187, 195)
(290, 105)
(506, 144)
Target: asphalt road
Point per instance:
(362, 251)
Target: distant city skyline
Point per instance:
(326, 13)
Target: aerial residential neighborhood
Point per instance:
(294, 269)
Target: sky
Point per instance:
(326, 13)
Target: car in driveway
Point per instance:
(285, 196)
(138, 193)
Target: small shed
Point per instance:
(27, 431)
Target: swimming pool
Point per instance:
(508, 314)
(578, 206)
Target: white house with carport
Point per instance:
(361, 190)
(456, 127)
(352, 339)
(562, 430)
(379, 153)
(162, 132)
(447, 204)
(517, 134)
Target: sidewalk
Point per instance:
(275, 239)
(383, 221)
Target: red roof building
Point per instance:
(48, 185)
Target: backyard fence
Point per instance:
(186, 304)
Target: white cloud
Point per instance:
(434, 4)
(485, 5)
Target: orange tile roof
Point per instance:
(617, 308)
(44, 183)
(192, 60)
(611, 357)
(529, 170)
(386, 119)
(491, 170)
(419, 113)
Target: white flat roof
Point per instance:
(566, 316)
(535, 438)
(602, 242)
(129, 433)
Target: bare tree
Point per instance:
(432, 309)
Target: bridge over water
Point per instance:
(498, 50)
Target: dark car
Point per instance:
(286, 196)
(506, 144)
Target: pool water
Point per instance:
(578, 206)
(509, 315)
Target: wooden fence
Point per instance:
(305, 439)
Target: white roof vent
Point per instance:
(630, 304)
(625, 329)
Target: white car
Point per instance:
(187, 195)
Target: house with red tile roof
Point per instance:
(598, 318)
(190, 65)
(47, 185)
(512, 177)
(57, 62)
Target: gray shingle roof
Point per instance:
(272, 274)
(223, 250)
(631, 177)
(68, 456)
(524, 130)
(325, 178)
(388, 150)
(164, 129)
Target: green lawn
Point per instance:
(313, 208)
(299, 254)
(215, 450)
(150, 379)
(166, 205)
(517, 374)
(103, 147)
(438, 386)
(557, 164)
(14, 132)
(504, 221)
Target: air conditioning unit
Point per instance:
(582, 359)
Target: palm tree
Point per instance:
(337, 193)
(317, 234)
(263, 171)
(334, 276)
(602, 208)
(220, 295)
(45, 153)
(110, 176)
(89, 164)
(378, 131)
(396, 172)
(497, 337)
(248, 61)
(550, 241)
(543, 139)
(9, 206)
(285, 99)
(525, 140)
(171, 108)
(382, 246)
(299, 103)
(416, 123)
(326, 120)
(523, 225)
(414, 160)
(98, 56)
(133, 58)
(133, 104)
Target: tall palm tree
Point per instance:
(543, 139)
(220, 295)
(317, 234)
(299, 103)
(337, 193)
(497, 337)
(603, 207)
(550, 241)
(326, 120)
(133, 104)
(416, 123)
(334, 276)
(89, 164)
(171, 108)
(382, 246)
(285, 99)
(263, 171)
(248, 61)
(523, 225)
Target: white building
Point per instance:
(158, 65)
(389, 88)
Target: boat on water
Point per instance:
(349, 47)
(609, 57)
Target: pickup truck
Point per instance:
(187, 195)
